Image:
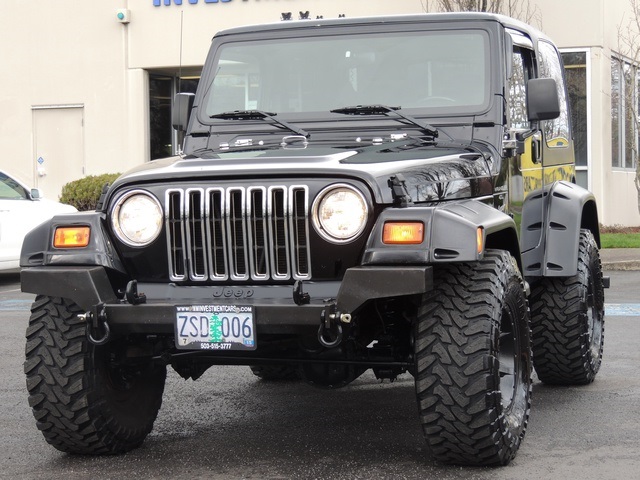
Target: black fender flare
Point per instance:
(79, 274)
(450, 234)
(561, 210)
(38, 249)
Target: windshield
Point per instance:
(439, 70)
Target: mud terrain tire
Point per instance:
(81, 402)
(567, 321)
(473, 361)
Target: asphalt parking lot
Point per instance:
(230, 425)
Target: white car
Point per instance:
(21, 209)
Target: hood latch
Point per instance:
(398, 186)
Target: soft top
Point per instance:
(457, 17)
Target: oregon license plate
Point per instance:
(215, 327)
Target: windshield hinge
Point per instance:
(513, 143)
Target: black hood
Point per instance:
(432, 172)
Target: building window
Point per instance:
(576, 73)
(625, 79)
(164, 140)
(160, 135)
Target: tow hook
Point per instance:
(330, 330)
(132, 295)
(98, 331)
(299, 295)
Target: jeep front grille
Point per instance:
(238, 233)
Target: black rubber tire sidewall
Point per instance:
(563, 350)
(457, 364)
(79, 404)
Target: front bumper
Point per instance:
(276, 312)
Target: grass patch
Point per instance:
(620, 240)
(617, 236)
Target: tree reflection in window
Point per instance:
(556, 132)
(518, 117)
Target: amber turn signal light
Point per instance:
(480, 240)
(71, 237)
(406, 233)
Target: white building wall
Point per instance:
(61, 53)
(597, 24)
(600, 116)
(76, 52)
(154, 32)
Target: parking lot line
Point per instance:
(15, 305)
(622, 309)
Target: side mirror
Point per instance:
(542, 99)
(182, 104)
(36, 194)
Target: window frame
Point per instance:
(563, 121)
(527, 54)
(586, 167)
(321, 115)
(177, 82)
(620, 164)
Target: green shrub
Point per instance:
(85, 192)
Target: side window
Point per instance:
(521, 72)
(10, 189)
(556, 132)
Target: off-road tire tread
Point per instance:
(561, 355)
(457, 394)
(67, 403)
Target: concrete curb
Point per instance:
(621, 266)
(620, 258)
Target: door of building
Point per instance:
(58, 146)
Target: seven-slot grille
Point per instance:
(238, 233)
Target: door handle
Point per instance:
(536, 147)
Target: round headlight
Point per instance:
(137, 218)
(340, 213)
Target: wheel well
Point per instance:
(506, 239)
(589, 220)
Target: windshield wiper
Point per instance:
(385, 110)
(260, 115)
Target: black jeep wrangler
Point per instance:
(395, 194)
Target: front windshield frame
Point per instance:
(359, 37)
